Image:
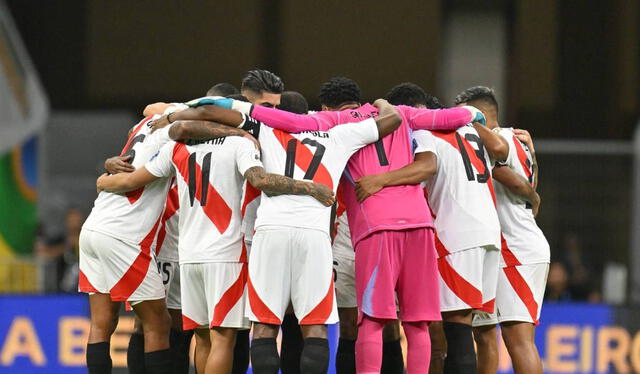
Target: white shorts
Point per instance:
(291, 264)
(126, 271)
(519, 296)
(214, 295)
(170, 272)
(344, 276)
(468, 279)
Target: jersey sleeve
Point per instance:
(160, 165)
(425, 142)
(162, 135)
(247, 156)
(436, 119)
(355, 135)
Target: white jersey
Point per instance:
(250, 204)
(525, 242)
(461, 193)
(318, 156)
(342, 246)
(133, 216)
(209, 175)
(167, 241)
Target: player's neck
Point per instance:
(348, 106)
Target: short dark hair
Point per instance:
(293, 102)
(339, 90)
(478, 94)
(238, 97)
(260, 81)
(412, 95)
(222, 89)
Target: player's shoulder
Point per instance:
(467, 129)
(422, 134)
(506, 132)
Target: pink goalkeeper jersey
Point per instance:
(392, 208)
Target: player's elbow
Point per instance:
(426, 171)
(256, 177)
(499, 152)
(389, 123)
(178, 131)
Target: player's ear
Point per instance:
(324, 107)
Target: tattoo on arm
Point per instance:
(274, 185)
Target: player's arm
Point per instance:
(525, 137)
(273, 185)
(423, 167)
(388, 119)
(201, 130)
(124, 182)
(442, 119)
(229, 112)
(496, 145)
(517, 185)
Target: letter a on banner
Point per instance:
(22, 340)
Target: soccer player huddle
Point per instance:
(244, 210)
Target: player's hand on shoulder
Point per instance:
(159, 123)
(367, 186)
(118, 164)
(380, 103)
(155, 108)
(323, 194)
(525, 137)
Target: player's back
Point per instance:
(461, 193)
(318, 156)
(516, 216)
(392, 208)
(133, 216)
(210, 195)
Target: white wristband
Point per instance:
(241, 106)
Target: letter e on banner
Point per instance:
(558, 348)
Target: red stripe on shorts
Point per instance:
(489, 306)
(188, 323)
(322, 311)
(136, 273)
(259, 308)
(456, 283)
(84, 285)
(229, 299)
(523, 291)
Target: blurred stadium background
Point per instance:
(75, 75)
